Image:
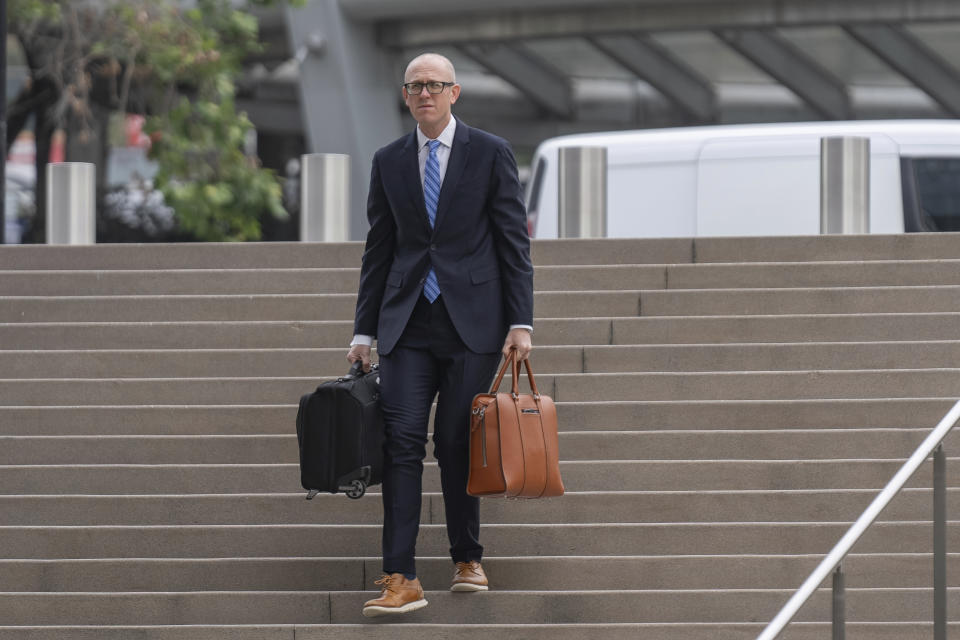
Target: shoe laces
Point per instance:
(468, 566)
(386, 584)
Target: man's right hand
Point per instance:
(360, 352)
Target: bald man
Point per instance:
(446, 287)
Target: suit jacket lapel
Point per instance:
(410, 175)
(455, 166)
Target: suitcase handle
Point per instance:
(356, 369)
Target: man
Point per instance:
(446, 286)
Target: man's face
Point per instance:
(431, 111)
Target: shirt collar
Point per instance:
(445, 137)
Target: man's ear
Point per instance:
(454, 93)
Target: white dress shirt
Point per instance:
(443, 157)
(443, 151)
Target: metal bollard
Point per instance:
(71, 203)
(583, 192)
(324, 197)
(844, 185)
(838, 607)
(939, 544)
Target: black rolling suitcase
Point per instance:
(340, 432)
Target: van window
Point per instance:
(936, 197)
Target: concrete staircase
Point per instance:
(728, 407)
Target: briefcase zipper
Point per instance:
(481, 411)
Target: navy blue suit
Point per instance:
(480, 251)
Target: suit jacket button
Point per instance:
(433, 247)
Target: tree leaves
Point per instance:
(184, 62)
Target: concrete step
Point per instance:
(414, 631)
(838, 413)
(254, 363)
(886, 273)
(34, 309)
(581, 475)
(203, 363)
(753, 385)
(793, 444)
(543, 252)
(764, 356)
(750, 385)
(826, 248)
(296, 255)
(162, 391)
(620, 475)
(207, 255)
(813, 327)
(291, 281)
(549, 331)
(182, 335)
(322, 540)
(549, 304)
(226, 281)
(243, 334)
(601, 416)
(761, 275)
(406, 631)
(76, 282)
(822, 300)
(517, 607)
(506, 573)
(574, 507)
(334, 306)
(858, 273)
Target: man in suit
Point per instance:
(446, 286)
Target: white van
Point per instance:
(761, 179)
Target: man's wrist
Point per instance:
(521, 326)
(361, 339)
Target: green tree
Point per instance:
(176, 66)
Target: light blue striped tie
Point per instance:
(431, 193)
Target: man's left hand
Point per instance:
(518, 339)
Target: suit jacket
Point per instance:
(479, 247)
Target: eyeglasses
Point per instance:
(416, 88)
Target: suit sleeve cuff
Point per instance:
(362, 339)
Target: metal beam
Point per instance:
(922, 66)
(387, 9)
(790, 66)
(421, 27)
(535, 78)
(347, 95)
(272, 34)
(273, 117)
(681, 84)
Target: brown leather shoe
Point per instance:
(398, 595)
(469, 577)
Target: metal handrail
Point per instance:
(853, 534)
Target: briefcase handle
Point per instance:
(510, 360)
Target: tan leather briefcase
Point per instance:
(514, 451)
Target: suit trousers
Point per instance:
(430, 360)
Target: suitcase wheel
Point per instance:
(357, 489)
